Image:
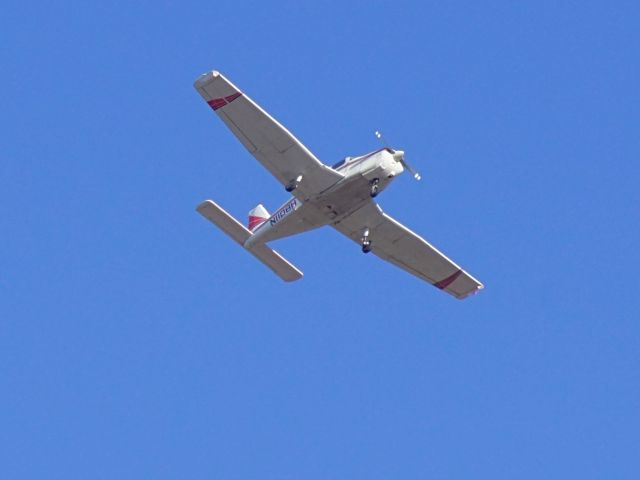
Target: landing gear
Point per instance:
(374, 187)
(293, 184)
(366, 242)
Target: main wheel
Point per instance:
(366, 247)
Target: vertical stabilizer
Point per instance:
(257, 217)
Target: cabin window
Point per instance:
(340, 163)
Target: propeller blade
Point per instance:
(415, 174)
(399, 156)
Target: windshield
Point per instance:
(339, 164)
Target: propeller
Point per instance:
(398, 155)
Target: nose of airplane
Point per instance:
(398, 155)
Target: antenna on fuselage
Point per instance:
(398, 155)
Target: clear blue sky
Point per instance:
(137, 341)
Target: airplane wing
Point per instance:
(273, 145)
(395, 243)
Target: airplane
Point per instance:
(340, 196)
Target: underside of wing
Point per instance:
(269, 142)
(392, 241)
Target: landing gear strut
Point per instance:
(293, 184)
(366, 243)
(374, 187)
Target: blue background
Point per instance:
(137, 341)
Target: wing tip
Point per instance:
(449, 283)
(204, 205)
(294, 278)
(470, 293)
(206, 78)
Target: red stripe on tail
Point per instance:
(255, 221)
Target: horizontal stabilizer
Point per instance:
(232, 227)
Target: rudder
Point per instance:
(257, 216)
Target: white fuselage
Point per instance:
(330, 206)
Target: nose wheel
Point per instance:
(374, 187)
(366, 242)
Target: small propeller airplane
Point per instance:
(339, 196)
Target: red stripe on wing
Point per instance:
(217, 103)
(231, 98)
(444, 283)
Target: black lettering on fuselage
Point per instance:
(283, 212)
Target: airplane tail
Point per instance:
(232, 227)
(257, 217)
